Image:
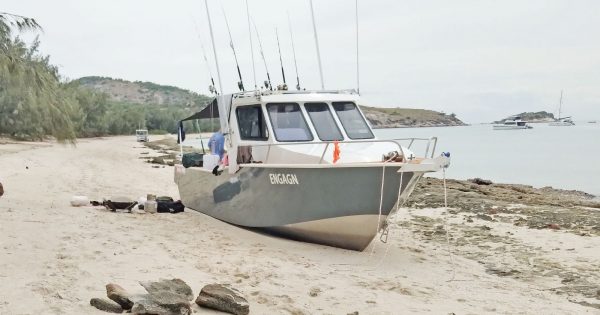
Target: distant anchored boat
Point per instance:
(512, 123)
(562, 121)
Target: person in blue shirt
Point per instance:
(216, 143)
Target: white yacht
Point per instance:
(562, 121)
(305, 165)
(512, 123)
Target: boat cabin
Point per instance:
(283, 117)
(299, 128)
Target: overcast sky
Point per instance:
(482, 60)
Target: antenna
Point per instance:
(213, 46)
(312, 12)
(280, 60)
(241, 83)
(251, 46)
(268, 82)
(294, 51)
(357, 67)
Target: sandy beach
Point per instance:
(56, 257)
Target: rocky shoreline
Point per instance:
(485, 221)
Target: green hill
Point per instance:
(139, 92)
(534, 117)
(409, 117)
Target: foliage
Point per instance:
(32, 104)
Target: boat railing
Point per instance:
(429, 150)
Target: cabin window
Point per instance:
(288, 122)
(251, 123)
(354, 124)
(322, 119)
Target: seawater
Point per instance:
(561, 157)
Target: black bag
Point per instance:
(169, 206)
(192, 159)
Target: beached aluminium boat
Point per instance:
(305, 165)
(512, 123)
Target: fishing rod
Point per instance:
(262, 54)
(312, 13)
(241, 83)
(280, 59)
(212, 38)
(212, 88)
(294, 51)
(251, 46)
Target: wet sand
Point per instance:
(55, 257)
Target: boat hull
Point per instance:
(561, 124)
(501, 127)
(336, 206)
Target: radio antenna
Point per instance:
(280, 59)
(251, 46)
(294, 51)
(312, 12)
(262, 54)
(241, 83)
(357, 68)
(213, 46)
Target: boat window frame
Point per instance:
(328, 106)
(359, 113)
(263, 121)
(308, 128)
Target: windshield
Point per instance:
(352, 121)
(288, 122)
(251, 123)
(322, 119)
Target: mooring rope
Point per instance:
(387, 227)
(446, 227)
(380, 205)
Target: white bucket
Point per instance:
(210, 161)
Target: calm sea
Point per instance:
(561, 157)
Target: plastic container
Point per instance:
(150, 205)
(80, 201)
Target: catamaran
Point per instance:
(562, 121)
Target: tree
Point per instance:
(32, 101)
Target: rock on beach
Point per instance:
(116, 293)
(223, 298)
